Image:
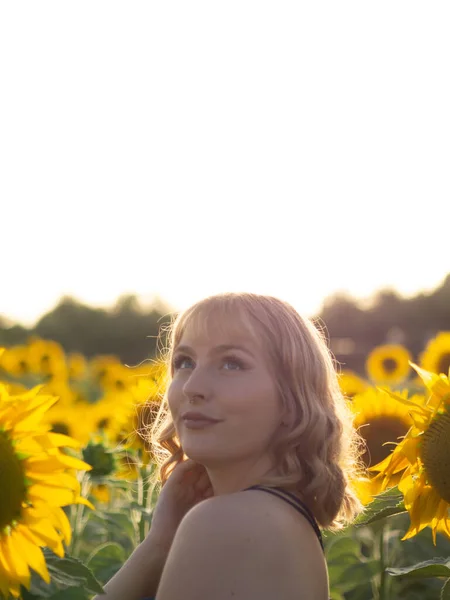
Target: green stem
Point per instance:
(79, 523)
(144, 498)
(383, 583)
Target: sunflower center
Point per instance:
(380, 430)
(45, 361)
(13, 488)
(23, 367)
(60, 428)
(435, 454)
(103, 423)
(389, 365)
(444, 363)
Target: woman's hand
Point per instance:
(187, 485)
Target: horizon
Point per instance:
(157, 300)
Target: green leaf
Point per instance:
(108, 526)
(353, 575)
(335, 595)
(436, 567)
(114, 521)
(445, 592)
(70, 594)
(342, 547)
(348, 570)
(384, 505)
(106, 560)
(69, 567)
(25, 594)
(389, 511)
(65, 573)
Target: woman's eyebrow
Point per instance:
(216, 350)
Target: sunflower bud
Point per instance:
(100, 458)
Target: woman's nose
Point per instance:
(197, 384)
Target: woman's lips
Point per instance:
(198, 423)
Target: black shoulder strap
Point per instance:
(296, 503)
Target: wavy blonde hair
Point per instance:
(318, 453)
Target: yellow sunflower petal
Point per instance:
(421, 501)
(47, 536)
(60, 521)
(63, 460)
(32, 417)
(51, 440)
(16, 562)
(58, 480)
(73, 463)
(44, 464)
(81, 500)
(33, 554)
(440, 514)
(413, 406)
(5, 573)
(410, 449)
(50, 495)
(393, 463)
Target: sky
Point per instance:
(182, 149)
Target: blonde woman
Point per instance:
(256, 452)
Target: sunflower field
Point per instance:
(76, 492)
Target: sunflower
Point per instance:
(424, 458)
(46, 357)
(107, 371)
(388, 364)
(37, 480)
(351, 384)
(110, 414)
(77, 365)
(104, 463)
(101, 492)
(436, 356)
(143, 404)
(15, 361)
(59, 386)
(74, 420)
(379, 420)
(108, 466)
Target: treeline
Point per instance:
(126, 330)
(353, 331)
(131, 333)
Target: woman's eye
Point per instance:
(179, 361)
(232, 362)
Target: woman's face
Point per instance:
(227, 378)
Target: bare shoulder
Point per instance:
(242, 546)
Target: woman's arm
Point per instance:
(187, 486)
(139, 577)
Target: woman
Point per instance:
(240, 517)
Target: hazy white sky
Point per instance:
(187, 148)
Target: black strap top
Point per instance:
(296, 503)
